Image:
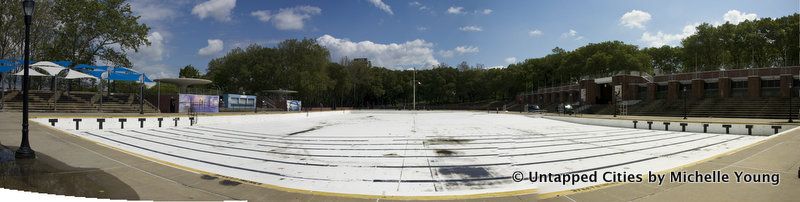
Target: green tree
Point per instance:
(305, 66)
(12, 29)
(666, 59)
(92, 30)
(189, 72)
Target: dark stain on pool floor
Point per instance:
(445, 152)
(465, 171)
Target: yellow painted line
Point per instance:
(154, 115)
(303, 191)
(612, 184)
(107, 116)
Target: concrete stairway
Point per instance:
(773, 108)
(76, 102)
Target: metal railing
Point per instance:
(768, 71)
(201, 91)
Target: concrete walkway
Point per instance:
(69, 165)
(690, 119)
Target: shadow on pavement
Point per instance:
(47, 175)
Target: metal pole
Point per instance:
(158, 97)
(2, 90)
(25, 150)
(101, 94)
(141, 98)
(414, 84)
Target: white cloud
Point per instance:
(151, 10)
(383, 6)
(393, 55)
(148, 58)
(572, 34)
(535, 33)
(460, 50)
(214, 47)
(157, 71)
(447, 53)
(217, 9)
(155, 51)
(635, 19)
(471, 28)
(422, 29)
(735, 16)
(487, 11)
(660, 39)
(495, 67)
(158, 15)
(262, 15)
(294, 18)
(455, 10)
(466, 49)
(511, 60)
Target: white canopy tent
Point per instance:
(31, 72)
(72, 74)
(55, 71)
(51, 68)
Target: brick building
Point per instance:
(635, 86)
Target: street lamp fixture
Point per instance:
(25, 151)
(27, 7)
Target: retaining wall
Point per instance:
(114, 123)
(720, 128)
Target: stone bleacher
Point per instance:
(765, 107)
(75, 102)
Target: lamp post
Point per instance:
(684, 102)
(414, 87)
(25, 150)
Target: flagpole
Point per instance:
(141, 94)
(158, 97)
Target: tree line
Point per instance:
(86, 32)
(306, 67)
(80, 31)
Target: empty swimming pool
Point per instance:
(399, 153)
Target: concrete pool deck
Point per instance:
(689, 119)
(138, 178)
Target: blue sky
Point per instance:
(400, 34)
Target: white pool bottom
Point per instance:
(401, 154)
